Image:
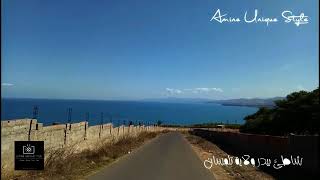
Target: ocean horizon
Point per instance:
(122, 111)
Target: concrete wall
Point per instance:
(79, 134)
(267, 146)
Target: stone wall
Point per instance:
(79, 134)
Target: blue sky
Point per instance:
(84, 49)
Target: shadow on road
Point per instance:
(287, 172)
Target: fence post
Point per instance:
(69, 117)
(35, 116)
(69, 110)
(101, 124)
(124, 124)
(85, 126)
(118, 127)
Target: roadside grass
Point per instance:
(66, 163)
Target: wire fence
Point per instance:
(70, 115)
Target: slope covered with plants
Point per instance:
(298, 113)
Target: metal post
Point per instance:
(35, 112)
(69, 117)
(101, 119)
(118, 126)
(69, 110)
(124, 124)
(35, 116)
(110, 118)
(69, 114)
(101, 124)
(128, 126)
(87, 116)
(85, 127)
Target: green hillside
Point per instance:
(298, 113)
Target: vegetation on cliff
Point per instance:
(298, 113)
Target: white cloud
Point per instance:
(207, 90)
(173, 91)
(193, 90)
(6, 84)
(187, 89)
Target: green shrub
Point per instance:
(298, 114)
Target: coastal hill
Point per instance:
(298, 114)
(253, 102)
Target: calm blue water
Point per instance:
(170, 113)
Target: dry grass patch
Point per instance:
(66, 163)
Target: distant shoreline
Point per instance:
(243, 105)
(253, 102)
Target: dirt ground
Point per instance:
(206, 149)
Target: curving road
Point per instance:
(168, 157)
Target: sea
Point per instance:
(49, 111)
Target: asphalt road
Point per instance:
(168, 157)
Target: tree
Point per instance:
(298, 113)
